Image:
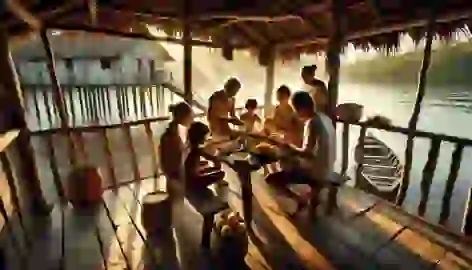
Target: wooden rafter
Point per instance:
(252, 34)
(112, 32)
(23, 14)
(229, 15)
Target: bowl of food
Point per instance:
(230, 238)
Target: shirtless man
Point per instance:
(316, 88)
(221, 110)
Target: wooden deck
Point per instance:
(365, 233)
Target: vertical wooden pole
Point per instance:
(57, 93)
(73, 89)
(270, 74)
(417, 109)
(333, 61)
(10, 88)
(35, 94)
(187, 38)
(152, 89)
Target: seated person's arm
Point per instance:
(258, 119)
(212, 158)
(232, 111)
(306, 151)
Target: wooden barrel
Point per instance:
(156, 215)
(84, 186)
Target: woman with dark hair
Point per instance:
(199, 171)
(172, 147)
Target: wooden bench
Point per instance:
(208, 205)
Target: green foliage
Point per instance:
(451, 64)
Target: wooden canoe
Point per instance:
(381, 171)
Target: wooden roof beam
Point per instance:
(252, 34)
(23, 14)
(230, 15)
(112, 32)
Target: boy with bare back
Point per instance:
(285, 119)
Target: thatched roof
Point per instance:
(294, 26)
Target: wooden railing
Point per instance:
(429, 167)
(92, 104)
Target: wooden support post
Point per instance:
(417, 109)
(57, 93)
(72, 90)
(345, 151)
(450, 183)
(11, 91)
(428, 174)
(467, 220)
(270, 74)
(187, 38)
(333, 61)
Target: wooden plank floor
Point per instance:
(365, 233)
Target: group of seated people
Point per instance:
(299, 125)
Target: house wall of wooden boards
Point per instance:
(88, 59)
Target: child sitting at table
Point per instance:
(285, 119)
(250, 118)
(200, 172)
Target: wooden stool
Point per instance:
(208, 205)
(84, 186)
(156, 215)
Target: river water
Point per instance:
(445, 110)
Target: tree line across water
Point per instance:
(451, 65)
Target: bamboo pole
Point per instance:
(58, 95)
(417, 109)
(187, 40)
(270, 74)
(10, 87)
